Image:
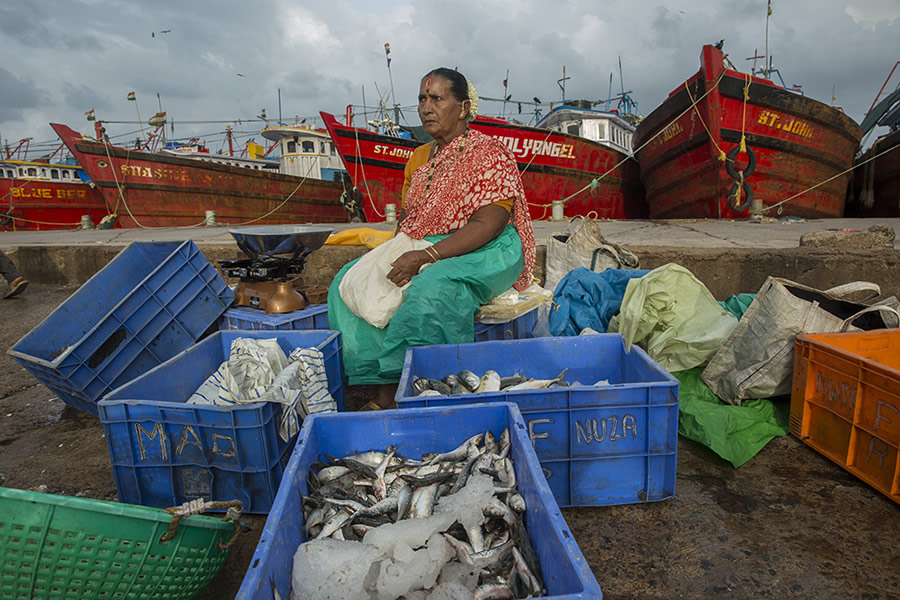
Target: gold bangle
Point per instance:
(436, 253)
(428, 252)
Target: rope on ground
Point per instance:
(596, 181)
(844, 172)
(196, 507)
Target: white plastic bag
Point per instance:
(365, 288)
(757, 359)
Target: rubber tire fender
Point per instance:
(5, 219)
(734, 201)
(729, 162)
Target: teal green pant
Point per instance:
(438, 308)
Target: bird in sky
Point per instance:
(240, 74)
(153, 33)
(536, 100)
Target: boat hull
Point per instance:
(875, 191)
(154, 190)
(37, 205)
(554, 166)
(797, 143)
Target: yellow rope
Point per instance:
(844, 172)
(722, 156)
(594, 182)
(744, 119)
(201, 223)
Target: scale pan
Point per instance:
(280, 239)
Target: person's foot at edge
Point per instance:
(16, 287)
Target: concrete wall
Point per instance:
(723, 271)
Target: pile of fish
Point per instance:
(448, 526)
(467, 382)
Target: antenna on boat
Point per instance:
(132, 97)
(621, 76)
(505, 95)
(159, 102)
(768, 63)
(756, 56)
(279, 108)
(562, 84)
(387, 52)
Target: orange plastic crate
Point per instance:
(845, 402)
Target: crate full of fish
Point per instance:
(417, 503)
(603, 420)
(166, 450)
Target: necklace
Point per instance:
(434, 150)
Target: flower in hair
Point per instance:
(473, 99)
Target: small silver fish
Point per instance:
(490, 382)
(451, 380)
(469, 379)
(537, 384)
(517, 503)
(518, 378)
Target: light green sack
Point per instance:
(669, 313)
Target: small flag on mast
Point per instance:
(387, 51)
(770, 8)
(90, 115)
(131, 96)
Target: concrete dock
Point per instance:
(787, 524)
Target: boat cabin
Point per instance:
(305, 151)
(40, 171)
(607, 128)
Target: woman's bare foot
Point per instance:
(384, 395)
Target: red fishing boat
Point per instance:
(875, 191)
(693, 165)
(558, 162)
(42, 195)
(154, 189)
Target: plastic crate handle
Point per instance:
(196, 507)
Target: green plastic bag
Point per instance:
(737, 304)
(669, 313)
(736, 433)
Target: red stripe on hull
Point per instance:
(161, 191)
(798, 143)
(554, 166)
(42, 205)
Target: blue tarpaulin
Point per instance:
(584, 298)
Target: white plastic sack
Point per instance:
(757, 360)
(365, 288)
(585, 247)
(258, 371)
(512, 304)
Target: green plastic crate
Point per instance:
(60, 547)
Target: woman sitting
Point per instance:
(462, 192)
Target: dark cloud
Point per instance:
(17, 95)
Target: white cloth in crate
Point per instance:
(258, 371)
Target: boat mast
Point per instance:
(387, 52)
(767, 64)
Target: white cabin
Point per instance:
(22, 169)
(607, 128)
(306, 152)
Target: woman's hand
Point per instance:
(406, 266)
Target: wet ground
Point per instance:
(788, 524)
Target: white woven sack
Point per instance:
(365, 288)
(756, 361)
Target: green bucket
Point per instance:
(60, 547)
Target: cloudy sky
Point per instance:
(225, 60)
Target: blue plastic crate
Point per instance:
(314, 316)
(611, 444)
(519, 328)
(417, 431)
(165, 452)
(153, 300)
